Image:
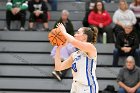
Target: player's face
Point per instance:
(79, 35)
(130, 64)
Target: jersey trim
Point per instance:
(89, 66)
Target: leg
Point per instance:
(116, 55)
(137, 57)
(109, 31)
(138, 90)
(8, 18)
(54, 5)
(63, 73)
(121, 90)
(100, 38)
(44, 17)
(73, 88)
(31, 21)
(23, 18)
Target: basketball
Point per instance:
(56, 37)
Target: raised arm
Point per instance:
(84, 46)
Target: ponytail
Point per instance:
(92, 33)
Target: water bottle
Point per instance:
(104, 38)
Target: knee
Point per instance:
(121, 90)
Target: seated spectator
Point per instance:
(122, 16)
(100, 18)
(16, 10)
(65, 52)
(89, 8)
(135, 7)
(53, 4)
(129, 77)
(127, 43)
(38, 10)
(66, 22)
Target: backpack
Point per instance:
(109, 89)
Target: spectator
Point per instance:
(89, 8)
(135, 7)
(66, 22)
(122, 16)
(129, 77)
(53, 4)
(38, 10)
(65, 53)
(100, 18)
(108, 1)
(127, 43)
(16, 10)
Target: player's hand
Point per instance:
(101, 25)
(13, 11)
(17, 10)
(61, 27)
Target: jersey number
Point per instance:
(74, 67)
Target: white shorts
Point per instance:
(80, 88)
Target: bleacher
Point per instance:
(25, 62)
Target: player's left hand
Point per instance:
(61, 27)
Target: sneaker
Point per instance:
(56, 75)
(46, 29)
(31, 29)
(22, 29)
(6, 29)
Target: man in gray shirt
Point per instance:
(129, 77)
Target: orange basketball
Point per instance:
(56, 37)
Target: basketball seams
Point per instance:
(56, 37)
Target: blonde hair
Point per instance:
(65, 12)
(125, 2)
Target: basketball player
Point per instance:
(83, 62)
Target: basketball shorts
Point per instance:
(80, 88)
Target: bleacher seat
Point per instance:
(25, 62)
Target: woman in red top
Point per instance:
(100, 18)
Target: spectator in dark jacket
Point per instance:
(127, 43)
(129, 77)
(16, 10)
(66, 21)
(89, 8)
(38, 10)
